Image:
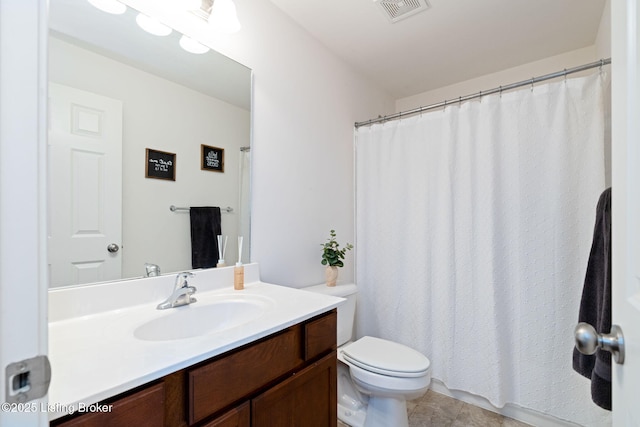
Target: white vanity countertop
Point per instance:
(97, 356)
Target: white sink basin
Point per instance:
(217, 314)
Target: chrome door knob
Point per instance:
(588, 341)
(113, 248)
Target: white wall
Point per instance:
(599, 50)
(305, 104)
(165, 116)
(603, 40)
(501, 78)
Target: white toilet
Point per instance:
(376, 377)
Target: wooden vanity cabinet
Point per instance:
(287, 379)
(141, 408)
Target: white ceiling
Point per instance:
(452, 41)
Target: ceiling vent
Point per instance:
(396, 10)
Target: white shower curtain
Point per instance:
(474, 225)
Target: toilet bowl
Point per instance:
(375, 376)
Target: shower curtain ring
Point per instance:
(532, 81)
(500, 91)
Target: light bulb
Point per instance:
(223, 17)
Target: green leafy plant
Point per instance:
(331, 253)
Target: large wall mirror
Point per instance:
(113, 86)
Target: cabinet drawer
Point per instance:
(320, 335)
(224, 381)
(143, 408)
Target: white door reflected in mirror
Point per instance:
(85, 191)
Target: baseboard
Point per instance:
(525, 415)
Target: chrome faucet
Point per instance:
(182, 293)
(152, 270)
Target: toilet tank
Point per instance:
(346, 312)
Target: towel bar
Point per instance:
(174, 208)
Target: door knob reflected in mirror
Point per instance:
(113, 248)
(588, 341)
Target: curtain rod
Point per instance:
(480, 94)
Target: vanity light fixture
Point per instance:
(152, 25)
(110, 6)
(224, 17)
(193, 46)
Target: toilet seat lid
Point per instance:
(386, 357)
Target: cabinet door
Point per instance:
(143, 408)
(307, 398)
(237, 417)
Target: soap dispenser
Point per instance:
(238, 271)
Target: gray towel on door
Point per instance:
(595, 306)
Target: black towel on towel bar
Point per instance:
(595, 306)
(205, 226)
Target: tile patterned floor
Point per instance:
(437, 410)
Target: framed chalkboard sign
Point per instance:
(212, 159)
(160, 165)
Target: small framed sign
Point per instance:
(212, 159)
(160, 165)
